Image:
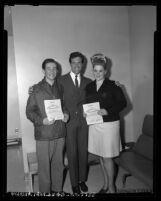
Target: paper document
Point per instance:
(91, 110)
(53, 109)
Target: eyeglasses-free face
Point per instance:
(50, 71)
(99, 72)
(76, 65)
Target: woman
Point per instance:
(104, 138)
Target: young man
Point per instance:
(73, 85)
(49, 135)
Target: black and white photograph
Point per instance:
(80, 99)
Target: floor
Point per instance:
(16, 182)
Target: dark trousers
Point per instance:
(50, 164)
(77, 150)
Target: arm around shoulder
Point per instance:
(32, 111)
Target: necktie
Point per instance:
(76, 81)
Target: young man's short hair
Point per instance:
(49, 60)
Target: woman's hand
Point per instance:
(66, 117)
(102, 112)
(47, 122)
(84, 115)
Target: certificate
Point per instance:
(91, 110)
(53, 109)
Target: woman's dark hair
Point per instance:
(76, 54)
(49, 60)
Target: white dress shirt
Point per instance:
(73, 78)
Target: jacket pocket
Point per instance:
(48, 132)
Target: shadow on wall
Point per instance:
(84, 67)
(128, 108)
(108, 67)
(59, 69)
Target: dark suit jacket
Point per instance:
(35, 111)
(73, 97)
(110, 97)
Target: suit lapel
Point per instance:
(72, 87)
(70, 80)
(82, 82)
(102, 86)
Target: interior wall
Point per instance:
(142, 24)
(13, 113)
(56, 31)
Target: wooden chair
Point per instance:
(33, 168)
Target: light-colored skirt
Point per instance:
(104, 139)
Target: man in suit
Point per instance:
(73, 85)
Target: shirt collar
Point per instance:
(73, 75)
(45, 82)
(100, 82)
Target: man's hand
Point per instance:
(66, 117)
(30, 90)
(118, 83)
(47, 122)
(102, 112)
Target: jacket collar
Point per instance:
(105, 82)
(44, 82)
(51, 90)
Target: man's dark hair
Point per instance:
(76, 54)
(49, 60)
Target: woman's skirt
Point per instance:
(104, 139)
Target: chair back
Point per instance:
(147, 128)
(144, 144)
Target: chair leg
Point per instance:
(32, 180)
(124, 178)
(29, 182)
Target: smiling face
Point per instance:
(76, 65)
(50, 71)
(99, 72)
